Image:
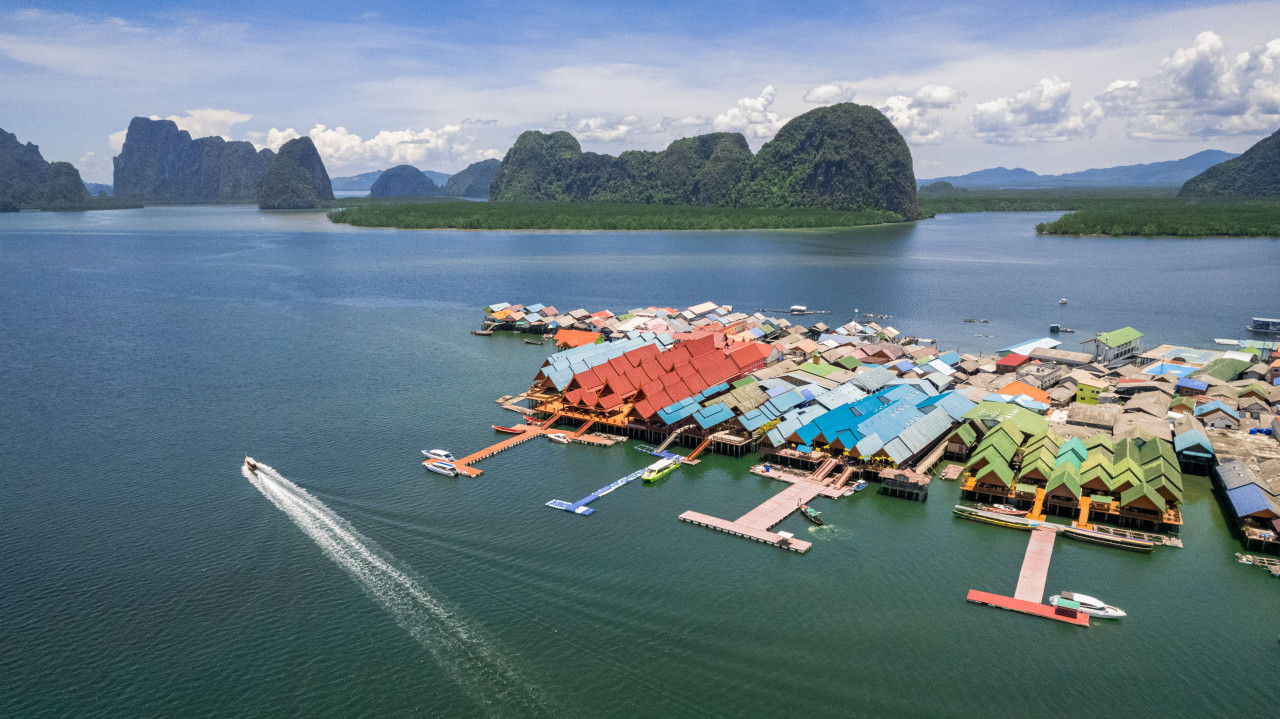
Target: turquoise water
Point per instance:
(145, 352)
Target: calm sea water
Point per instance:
(145, 352)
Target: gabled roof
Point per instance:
(1209, 407)
(1117, 338)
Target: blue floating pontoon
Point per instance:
(580, 506)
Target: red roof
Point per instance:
(1013, 360)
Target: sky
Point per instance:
(1051, 87)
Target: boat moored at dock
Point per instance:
(440, 467)
(1089, 605)
(560, 437)
(1006, 509)
(439, 454)
(659, 469)
(860, 485)
(1000, 520)
(1264, 324)
(1133, 544)
(507, 430)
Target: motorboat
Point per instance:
(1133, 544)
(533, 342)
(252, 465)
(859, 485)
(440, 467)
(1092, 606)
(1062, 301)
(811, 514)
(560, 437)
(659, 469)
(1008, 509)
(439, 454)
(531, 421)
(508, 430)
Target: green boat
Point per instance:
(811, 514)
(659, 469)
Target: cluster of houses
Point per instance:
(1103, 420)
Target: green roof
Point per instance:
(1141, 490)
(1029, 488)
(999, 470)
(745, 381)
(1000, 444)
(1065, 476)
(1223, 369)
(1119, 337)
(822, 370)
(1025, 420)
(965, 434)
(849, 362)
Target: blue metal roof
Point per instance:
(1190, 383)
(951, 358)
(1207, 408)
(1192, 439)
(1249, 499)
(713, 415)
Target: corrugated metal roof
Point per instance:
(1249, 500)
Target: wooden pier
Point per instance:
(1271, 564)
(527, 432)
(1028, 597)
(757, 523)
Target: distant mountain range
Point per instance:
(1171, 173)
(95, 187)
(362, 182)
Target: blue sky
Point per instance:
(1053, 87)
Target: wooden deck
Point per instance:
(527, 432)
(1035, 609)
(1035, 566)
(724, 525)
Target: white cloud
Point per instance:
(116, 140)
(1039, 114)
(1201, 91)
(915, 117)
(342, 149)
(752, 117)
(604, 130)
(207, 122)
(829, 94)
(683, 126)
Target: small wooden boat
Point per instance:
(560, 437)
(1008, 509)
(508, 430)
(482, 333)
(1132, 544)
(531, 421)
(533, 342)
(811, 514)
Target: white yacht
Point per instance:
(1092, 606)
(444, 468)
(559, 437)
(439, 454)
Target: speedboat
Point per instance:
(1062, 301)
(252, 465)
(1008, 509)
(1092, 606)
(811, 514)
(438, 454)
(439, 467)
(532, 421)
(560, 437)
(508, 430)
(659, 469)
(859, 485)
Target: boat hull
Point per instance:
(1109, 540)
(508, 430)
(1109, 612)
(1000, 520)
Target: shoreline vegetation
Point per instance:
(1169, 217)
(461, 215)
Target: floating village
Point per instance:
(1097, 433)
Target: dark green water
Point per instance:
(144, 353)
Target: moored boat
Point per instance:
(440, 467)
(1008, 509)
(1092, 606)
(508, 430)
(533, 342)
(659, 469)
(859, 485)
(1132, 544)
(1000, 520)
(482, 333)
(811, 514)
(560, 437)
(439, 454)
(252, 465)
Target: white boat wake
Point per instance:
(470, 661)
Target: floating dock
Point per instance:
(757, 523)
(1029, 595)
(580, 506)
(527, 432)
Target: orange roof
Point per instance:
(1013, 389)
(576, 338)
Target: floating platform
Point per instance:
(1036, 610)
(527, 432)
(740, 530)
(580, 506)
(757, 523)
(1029, 595)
